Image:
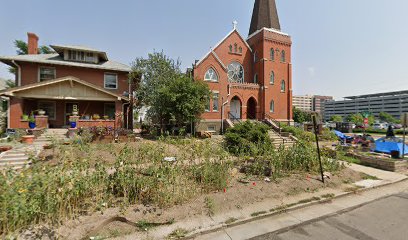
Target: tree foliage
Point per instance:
(22, 49)
(171, 96)
(358, 119)
(300, 116)
(386, 117)
(336, 118)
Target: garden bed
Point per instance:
(380, 162)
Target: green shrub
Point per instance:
(248, 138)
(299, 133)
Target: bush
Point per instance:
(299, 133)
(299, 158)
(248, 138)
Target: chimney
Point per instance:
(32, 43)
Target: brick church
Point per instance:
(250, 78)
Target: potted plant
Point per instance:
(106, 117)
(73, 122)
(41, 112)
(96, 116)
(31, 121)
(24, 117)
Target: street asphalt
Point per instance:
(383, 219)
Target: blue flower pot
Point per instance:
(31, 125)
(73, 124)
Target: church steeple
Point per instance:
(265, 14)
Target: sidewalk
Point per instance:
(247, 225)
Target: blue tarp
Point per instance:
(341, 135)
(384, 145)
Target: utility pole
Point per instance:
(314, 119)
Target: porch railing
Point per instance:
(233, 118)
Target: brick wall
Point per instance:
(30, 74)
(262, 65)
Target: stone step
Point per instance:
(11, 158)
(11, 154)
(20, 164)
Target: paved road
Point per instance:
(384, 219)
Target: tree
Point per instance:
(300, 116)
(336, 118)
(357, 119)
(10, 83)
(22, 49)
(171, 96)
(386, 117)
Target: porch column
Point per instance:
(16, 111)
(118, 114)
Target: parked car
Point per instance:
(397, 126)
(380, 126)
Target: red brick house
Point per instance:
(250, 78)
(73, 78)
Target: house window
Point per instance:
(46, 73)
(272, 78)
(215, 102)
(272, 107)
(81, 56)
(109, 110)
(211, 75)
(283, 86)
(211, 128)
(283, 56)
(111, 81)
(49, 108)
(272, 54)
(207, 104)
(236, 72)
(256, 78)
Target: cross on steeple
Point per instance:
(265, 15)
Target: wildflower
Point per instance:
(22, 190)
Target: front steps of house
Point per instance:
(20, 157)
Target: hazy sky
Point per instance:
(340, 47)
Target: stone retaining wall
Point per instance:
(392, 165)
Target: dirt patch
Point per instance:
(237, 195)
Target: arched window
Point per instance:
(272, 107)
(256, 78)
(235, 48)
(283, 57)
(272, 78)
(211, 75)
(230, 48)
(272, 54)
(240, 49)
(283, 86)
(236, 72)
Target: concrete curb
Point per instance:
(290, 209)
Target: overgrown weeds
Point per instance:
(79, 184)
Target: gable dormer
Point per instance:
(80, 54)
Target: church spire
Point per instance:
(265, 14)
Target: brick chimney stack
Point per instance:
(32, 43)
